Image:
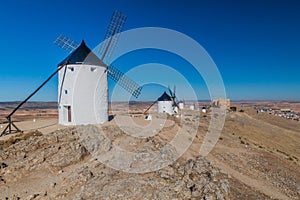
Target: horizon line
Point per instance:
(144, 101)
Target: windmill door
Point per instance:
(69, 114)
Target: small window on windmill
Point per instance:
(66, 91)
(71, 69)
(93, 69)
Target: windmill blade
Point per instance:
(124, 81)
(174, 91)
(175, 97)
(170, 91)
(66, 43)
(112, 35)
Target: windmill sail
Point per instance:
(66, 43)
(124, 81)
(173, 96)
(112, 35)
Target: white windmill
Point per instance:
(82, 94)
(82, 85)
(82, 88)
(166, 103)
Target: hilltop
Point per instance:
(257, 157)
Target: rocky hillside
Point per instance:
(258, 151)
(59, 166)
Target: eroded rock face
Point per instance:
(59, 165)
(194, 179)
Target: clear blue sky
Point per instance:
(255, 44)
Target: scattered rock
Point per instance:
(53, 185)
(33, 196)
(3, 165)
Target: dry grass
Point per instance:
(18, 137)
(266, 132)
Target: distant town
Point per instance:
(283, 112)
(285, 109)
(281, 108)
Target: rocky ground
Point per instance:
(256, 157)
(59, 166)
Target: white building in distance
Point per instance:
(82, 89)
(181, 105)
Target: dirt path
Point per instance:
(258, 185)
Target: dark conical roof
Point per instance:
(82, 55)
(164, 97)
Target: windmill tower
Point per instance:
(167, 103)
(82, 87)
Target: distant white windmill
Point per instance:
(166, 103)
